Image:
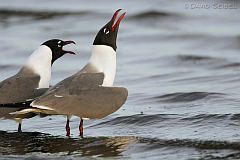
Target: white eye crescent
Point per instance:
(59, 42)
(106, 31)
(59, 45)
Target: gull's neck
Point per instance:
(40, 63)
(104, 59)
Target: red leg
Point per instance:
(81, 127)
(67, 128)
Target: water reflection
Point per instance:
(29, 142)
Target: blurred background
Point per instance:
(180, 61)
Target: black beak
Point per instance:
(66, 43)
(116, 24)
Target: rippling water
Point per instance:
(181, 66)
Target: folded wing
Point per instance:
(83, 96)
(20, 88)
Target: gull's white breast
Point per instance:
(104, 59)
(40, 62)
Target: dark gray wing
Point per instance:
(18, 89)
(83, 96)
(77, 82)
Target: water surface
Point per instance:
(181, 67)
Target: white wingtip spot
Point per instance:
(24, 111)
(41, 107)
(58, 96)
(86, 118)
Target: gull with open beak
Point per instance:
(33, 79)
(89, 93)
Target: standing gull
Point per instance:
(88, 93)
(31, 81)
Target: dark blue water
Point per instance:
(180, 61)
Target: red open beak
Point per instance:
(114, 26)
(66, 43)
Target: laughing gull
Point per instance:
(31, 81)
(88, 94)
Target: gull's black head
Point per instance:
(56, 45)
(108, 34)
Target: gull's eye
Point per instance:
(59, 44)
(106, 31)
